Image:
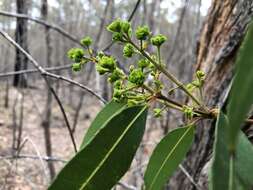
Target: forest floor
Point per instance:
(29, 174)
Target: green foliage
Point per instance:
(115, 26)
(239, 105)
(76, 67)
(103, 117)
(220, 157)
(117, 74)
(137, 77)
(106, 158)
(76, 54)
(87, 41)
(158, 40)
(142, 32)
(157, 112)
(188, 111)
(167, 156)
(128, 50)
(112, 139)
(106, 64)
(243, 160)
(143, 63)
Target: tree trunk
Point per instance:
(220, 38)
(21, 35)
(48, 110)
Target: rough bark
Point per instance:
(220, 38)
(21, 35)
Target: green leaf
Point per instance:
(166, 157)
(241, 91)
(103, 161)
(243, 160)
(220, 162)
(103, 117)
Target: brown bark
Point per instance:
(221, 35)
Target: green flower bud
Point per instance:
(158, 40)
(76, 67)
(190, 87)
(100, 54)
(137, 77)
(188, 111)
(117, 84)
(128, 50)
(158, 84)
(157, 112)
(125, 26)
(143, 63)
(116, 36)
(196, 83)
(107, 62)
(76, 54)
(142, 32)
(87, 41)
(118, 95)
(115, 26)
(131, 68)
(101, 70)
(200, 75)
(116, 75)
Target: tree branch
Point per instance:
(43, 74)
(7, 74)
(42, 22)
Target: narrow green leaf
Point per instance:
(243, 160)
(166, 157)
(104, 116)
(103, 161)
(241, 92)
(220, 162)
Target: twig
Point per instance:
(134, 10)
(42, 22)
(7, 74)
(189, 177)
(58, 77)
(76, 84)
(126, 186)
(43, 74)
(38, 155)
(34, 157)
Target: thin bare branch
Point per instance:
(7, 74)
(43, 74)
(126, 186)
(189, 177)
(34, 157)
(42, 22)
